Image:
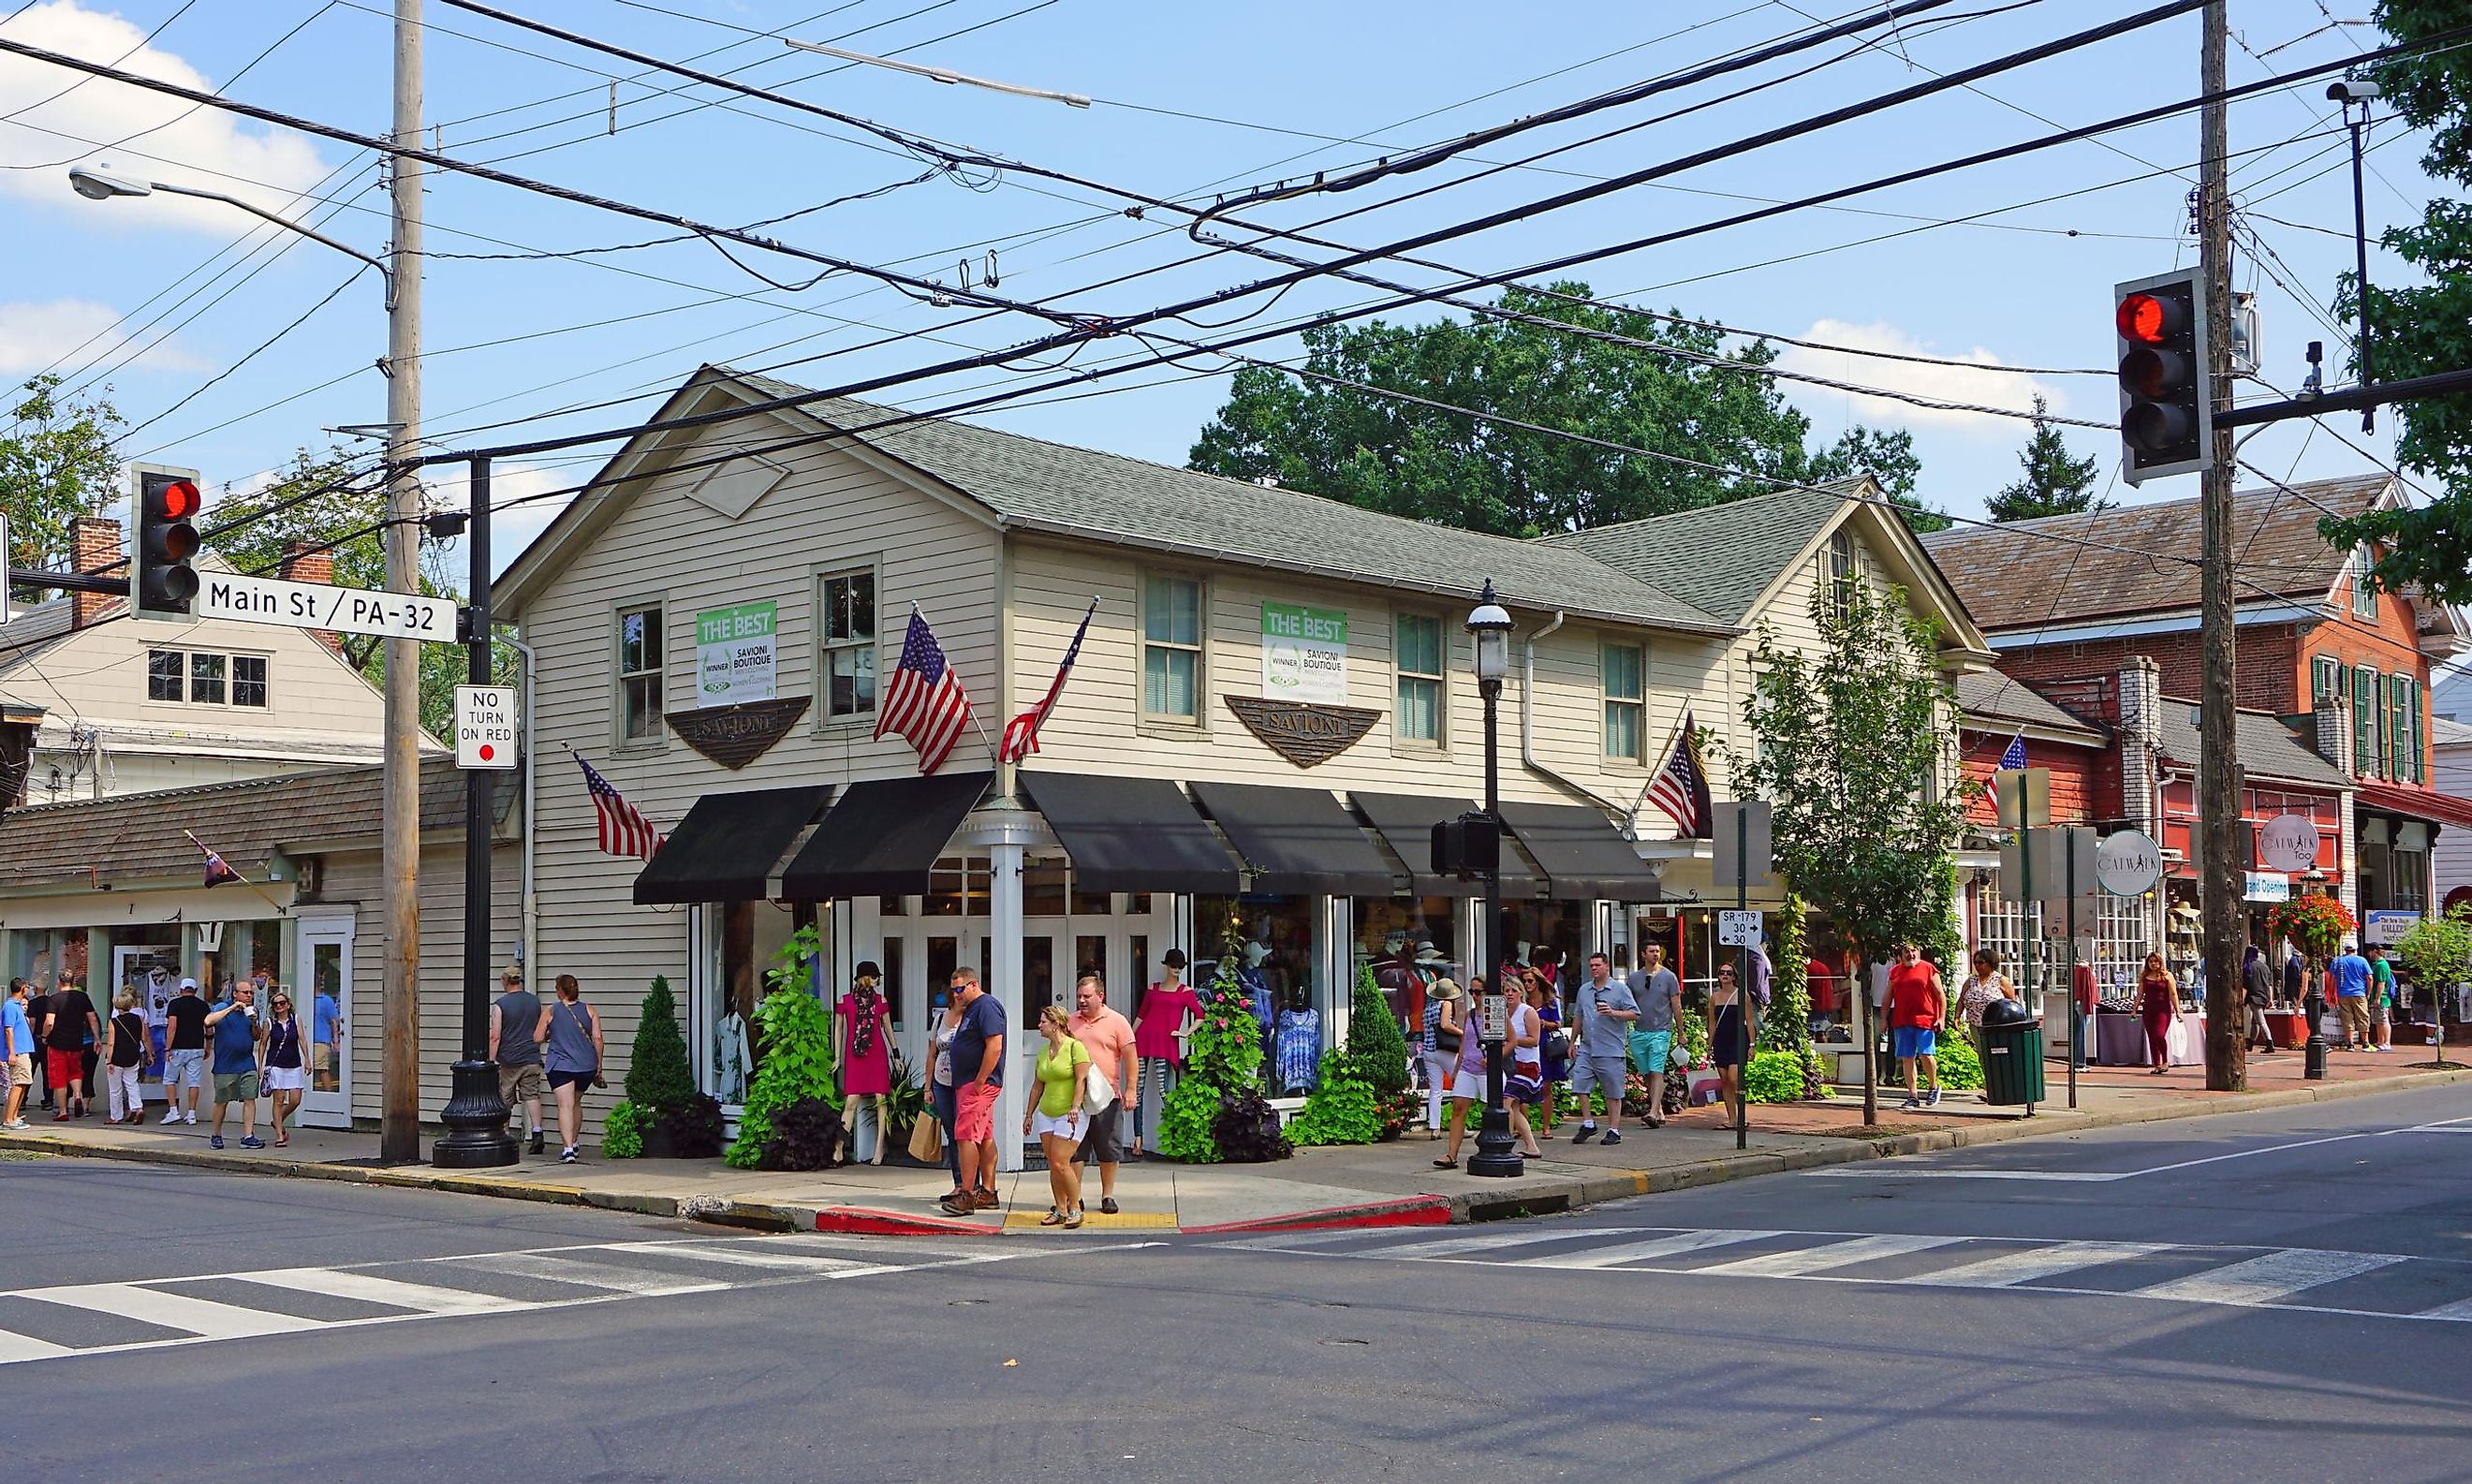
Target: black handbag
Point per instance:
(1446, 1039)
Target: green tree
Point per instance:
(2438, 955)
(2054, 484)
(1222, 1062)
(658, 1079)
(1388, 455)
(795, 1063)
(2418, 329)
(1891, 459)
(1854, 741)
(55, 464)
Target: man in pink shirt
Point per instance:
(1108, 1038)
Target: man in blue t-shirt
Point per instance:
(327, 1021)
(17, 1054)
(2352, 997)
(976, 1057)
(1608, 1008)
(235, 1026)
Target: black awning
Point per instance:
(1405, 822)
(1581, 853)
(1297, 839)
(1130, 833)
(883, 836)
(727, 846)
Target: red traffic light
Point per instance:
(2147, 320)
(177, 500)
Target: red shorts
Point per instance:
(974, 1112)
(65, 1066)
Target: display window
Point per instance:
(1279, 947)
(1407, 942)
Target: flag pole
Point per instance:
(278, 907)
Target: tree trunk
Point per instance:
(1862, 988)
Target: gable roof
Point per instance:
(1719, 559)
(2012, 576)
(1989, 696)
(2267, 748)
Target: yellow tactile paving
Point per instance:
(1126, 1220)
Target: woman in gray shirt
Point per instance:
(570, 1036)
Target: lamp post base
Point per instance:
(476, 1123)
(1497, 1153)
(2313, 1055)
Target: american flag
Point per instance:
(925, 702)
(2014, 754)
(623, 828)
(1021, 734)
(218, 870)
(1680, 788)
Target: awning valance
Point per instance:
(1130, 833)
(1405, 822)
(1581, 853)
(1298, 839)
(726, 848)
(2440, 809)
(883, 836)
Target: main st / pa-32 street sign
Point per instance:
(343, 610)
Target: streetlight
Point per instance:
(946, 75)
(1488, 624)
(101, 186)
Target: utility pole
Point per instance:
(2221, 888)
(399, 1124)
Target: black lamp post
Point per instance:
(1497, 1155)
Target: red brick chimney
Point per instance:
(306, 561)
(94, 547)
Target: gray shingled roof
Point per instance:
(32, 633)
(1994, 695)
(1720, 558)
(1035, 484)
(2012, 576)
(2268, 748)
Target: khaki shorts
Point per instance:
(21, 1070)
(321, 1056)
(519, 1084)
(235, 1087)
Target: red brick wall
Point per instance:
(2075, 773)
(2264, 656)
(94, 545)
(2388, 643)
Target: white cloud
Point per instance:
(1939, 382)
(206, 149)
(34, 336)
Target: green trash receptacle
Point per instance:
(2012, 1057)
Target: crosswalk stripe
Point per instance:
(2264, 1279)
(2008, 1269)
(1654, 1247)
(592, 1275)
(394, 1292)
(2461, 1308)
(1496, 1241)
(24, 1347)
(200, 1317)
(751, 1255)
(1821, 1258)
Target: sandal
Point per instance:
(1073, 1221)
(280, 1139)
(1054, 1218)
(1446, 1163)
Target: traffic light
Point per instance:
(162, 581)
(2167, 416)
(1468, 846)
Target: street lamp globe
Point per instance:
(100, 185)
(1488, 624)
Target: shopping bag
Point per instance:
(927, 1140)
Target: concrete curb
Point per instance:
(1408, 1211)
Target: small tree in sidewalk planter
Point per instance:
(1222, 1064)
(797, 1062)
(1785, 1024)
(1347, 1106)
(663, 1115)
(2438, 955)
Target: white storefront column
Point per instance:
(1007, 833)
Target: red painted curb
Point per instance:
(861, 1221)
(1414, 1211)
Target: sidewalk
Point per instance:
(1393, 1184)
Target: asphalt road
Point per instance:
(2266, 1297)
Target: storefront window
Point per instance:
(1278, 948)
(747, 934)
(1042, 891)
(1407, 942)
(958, 887)
(1549, 934)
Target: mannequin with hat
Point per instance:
(1161, 1023)
(863, 1044)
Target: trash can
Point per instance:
(2012, 1057)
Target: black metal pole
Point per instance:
(1497, 1154)
(475, 1115)
(2361, 261)
(1744, 999)
(2313, 1004)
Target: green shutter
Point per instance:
(2365, 725)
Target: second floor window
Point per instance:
(1172, 649)
(1838, 571)
(206, 679)
(1419, 715)
(2365, 721)
(639, 673)
(2325, 680)
(848, 601)
(2365, 597)
(1624, 668)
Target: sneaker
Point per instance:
(956, 1204)
(171, 1115)
(214, 1140)
(251, 1142)
(568, 1155)
(190, 1117)
(1912, 1102)
(14, 1126)
(1613, 1137)
(537, 1141)
(1587, 1131)
(1932, 1100)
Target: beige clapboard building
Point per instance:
(1271, 707)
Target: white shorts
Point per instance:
(1469, 1085)
(1069, 1126)
(283, 1080)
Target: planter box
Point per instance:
(1849, 1067)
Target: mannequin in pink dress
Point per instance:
(863, 1047)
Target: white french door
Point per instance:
(322, 1000)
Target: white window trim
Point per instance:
(188, 678)
(619, 741)
(1440, 744)
(1606, 698)
(2364, 598)
(1162, 720)
(821, 684)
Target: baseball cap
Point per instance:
(188, 984)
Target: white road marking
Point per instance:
(1620, 1252)
(2008, 1269)
(753, 1255)
(1890, 1169)
(24, 1347)
(420, 1298)
(200, 1317)
(2461, 1308)
(1819, 1260)
(2266, 1280)
(1494, 1241)
(641, 1282)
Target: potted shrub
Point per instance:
(797, 1062)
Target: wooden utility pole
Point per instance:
(399, 1109)
(2221, 884)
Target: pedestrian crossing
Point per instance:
(2372, 1285)
(99, 1318)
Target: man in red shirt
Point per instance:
(1108, 1037)
(1916, 1004)
(2081, 1032)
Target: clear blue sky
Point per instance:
(1270, 87)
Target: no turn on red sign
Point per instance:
(486, 722)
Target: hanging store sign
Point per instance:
(2127, 864)
(2387, 927)
(2267, 886)
(1304, 653)
(735, 736)
(734, 653)
(2288, 842)
(1303, 735)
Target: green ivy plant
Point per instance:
(1774, 1077)
(1223, 1060)
(1959, 1067)
(797, 1035)
(622, 1131)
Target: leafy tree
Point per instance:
(1891, 459)
(55, 464)
(2053, 482)
(2418, 329)
(2438, 955)
(1389, 455)
(1852, 740)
